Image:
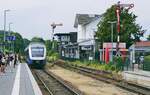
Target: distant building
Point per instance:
(143, 46)
(65, 40)
(139, 49)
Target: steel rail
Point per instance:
(66, 85)
(44, 84)
(99, 75)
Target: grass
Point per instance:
(115, 67)
(112, 68)
(95, 65)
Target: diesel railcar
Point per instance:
(36, 55)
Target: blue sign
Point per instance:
(10, 38)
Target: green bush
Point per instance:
(52, 56)
(113, 68)
(95, 65)
(146, 63)
(118, 63)
(116, 66)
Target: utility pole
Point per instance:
(54, 25)
(118, 11)
(112, 25)
(5, 11)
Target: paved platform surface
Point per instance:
(18, 81)
(139, 76)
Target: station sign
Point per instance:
(10, 38)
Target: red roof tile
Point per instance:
(143, 44)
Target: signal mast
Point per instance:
(118, 11)
(54, 25)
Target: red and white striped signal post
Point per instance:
(118, 11)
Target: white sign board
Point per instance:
(90, 58)
(86, 48)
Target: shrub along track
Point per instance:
(107, 77)
(53, 84)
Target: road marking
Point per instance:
(35, 86)
(16, 86)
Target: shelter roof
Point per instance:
(142, 44)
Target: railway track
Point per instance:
(108, 78)
(54, 84)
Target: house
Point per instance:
(86, 26)
(80, 44)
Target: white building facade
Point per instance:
(86, 25)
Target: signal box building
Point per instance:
(65, 40)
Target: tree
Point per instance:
(37, 39)
(130, 31)
(48, 44)
(26, 42)
(18, 43)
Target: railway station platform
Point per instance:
(138, 76)
(18, 81)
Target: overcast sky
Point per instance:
(33, 17)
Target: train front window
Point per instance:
(37, 51)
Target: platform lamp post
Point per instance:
(112, 25)
(95, 46)
(54, 25)
(5, 12)
(10, 28)
(95, 38)
(10, 47)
